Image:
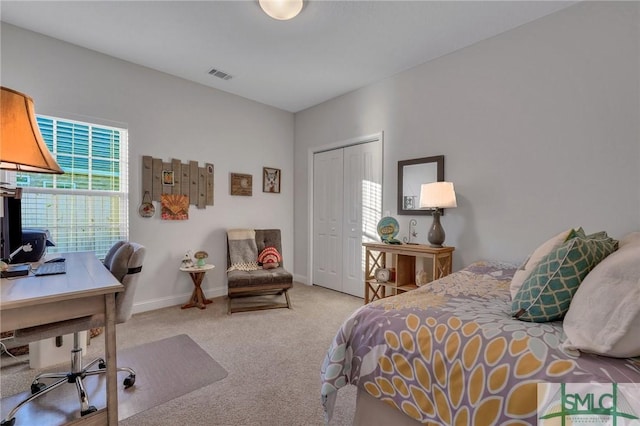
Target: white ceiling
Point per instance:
(331, 48)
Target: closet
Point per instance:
(347, 204)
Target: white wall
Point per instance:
(539, 127)
(167, 118)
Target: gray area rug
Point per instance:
(165, 369)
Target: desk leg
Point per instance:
(112, 362)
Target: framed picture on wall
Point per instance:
(241, 184)
(271, 180)
(168, 178)
(174, 207)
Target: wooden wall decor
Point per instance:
(175, 207)
(241, 184)
(178, 178)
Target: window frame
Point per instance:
(102, 234)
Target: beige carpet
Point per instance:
(165, 369)
(273, 359)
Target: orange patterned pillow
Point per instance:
(269, 258)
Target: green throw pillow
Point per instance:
(576, 232)
(597, 235)
(579, 232)
(546, 295)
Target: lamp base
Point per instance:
(436, 233)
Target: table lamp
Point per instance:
(21, 145)
(22, 148)
(437, 196)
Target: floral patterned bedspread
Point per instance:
(450, 353)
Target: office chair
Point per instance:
(124, 260)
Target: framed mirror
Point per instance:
(411, 175)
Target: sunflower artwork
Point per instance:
(175, 207)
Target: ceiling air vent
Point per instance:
(220, 74)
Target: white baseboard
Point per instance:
(301, 279)
(175, 300)
(181, 299)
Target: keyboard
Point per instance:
(51, 269)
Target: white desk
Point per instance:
(87, 288)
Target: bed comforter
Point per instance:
(450, 353)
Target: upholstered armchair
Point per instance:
(247, 278)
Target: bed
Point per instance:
(451, 352)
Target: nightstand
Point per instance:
(407, 260)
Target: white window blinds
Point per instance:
(86, 208)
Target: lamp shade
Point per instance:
(437, 195)
(21, 144)
(281, 9)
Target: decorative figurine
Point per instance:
(421, 278)
(200, 258)
(412, 232)
(187, 262)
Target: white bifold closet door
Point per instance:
(347, 203)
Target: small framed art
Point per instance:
(174, 207)
(409, 202)
(241, 184)
(167, 177)
(271, 180)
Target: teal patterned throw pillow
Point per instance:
(546, 295)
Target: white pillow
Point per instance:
(532, 262)
(604, 315)
(631, 239)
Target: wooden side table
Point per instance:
(197, 297)
(436, 262)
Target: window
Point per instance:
(86, 208)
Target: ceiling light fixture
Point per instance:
(281, 9)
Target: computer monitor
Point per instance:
(11, 237)
(39, 240)
(14, 235)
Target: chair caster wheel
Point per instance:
(37, 387)
(89, 410)
(102, 365)
(9, 422)
(129, 381)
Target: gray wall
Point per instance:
(167, 118)
(539, 128)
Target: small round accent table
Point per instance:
(197, 297)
